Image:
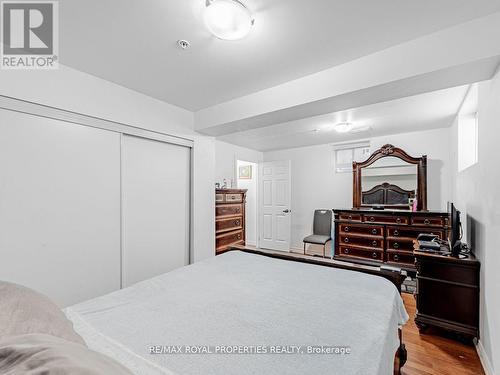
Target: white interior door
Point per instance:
(275, 210)
(155, 208)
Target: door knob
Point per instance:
(287, 211)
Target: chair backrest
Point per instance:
(322, 224)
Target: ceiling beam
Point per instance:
(466, 53)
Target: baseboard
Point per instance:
(485, 361)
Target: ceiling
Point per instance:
(133, 43)
(420, 112)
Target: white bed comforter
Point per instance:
(251, 300)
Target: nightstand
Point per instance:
(447, 293)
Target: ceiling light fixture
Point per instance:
(228, 19)
(343, 127)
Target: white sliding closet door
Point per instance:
(59, 207)
(155, 208)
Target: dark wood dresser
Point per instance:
(229, 218)
(448, 293)
(384, 236)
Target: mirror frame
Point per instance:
(385, 151)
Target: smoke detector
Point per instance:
(184, 44)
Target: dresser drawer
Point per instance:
(230, 238)
(228, 209)
(368, 230)
(412, 233)
(429, 221)
(350, 217)
(236, 198)
(400, 244)
(219, 198)
(375, 255)
(404, 258)
(224, 225)
(386, 219)
(361, 241)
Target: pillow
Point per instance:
(49, 355)
(23, 310)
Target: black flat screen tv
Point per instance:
(455, 230)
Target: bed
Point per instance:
(242, 300)
(387, 195)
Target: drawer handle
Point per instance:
(398, 220)
(350, 217)
(237, 222)
(239, 236)
(427, 221)
(396, 232)
(396, 245)
(396, 257)
(346, 229)
(237, 209)
(372, 218)
(374, 231)
(346, 251)
(374, 255)
(374, 243)
(346, 240)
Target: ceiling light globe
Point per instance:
(228, 19)
(343, 127)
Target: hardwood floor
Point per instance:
(431, 353)
(435, 354)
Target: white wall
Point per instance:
(251, 206)
(203, 198)
(72, 90)
(316, 185)
(475, 193)
(226, 156)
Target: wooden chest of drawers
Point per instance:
(229, 218)
(448, 293)
(377, 237)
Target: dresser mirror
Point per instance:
(390, 178)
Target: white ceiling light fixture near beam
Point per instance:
(343, 127)
(350, 127)
(228, 19)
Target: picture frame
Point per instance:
(245, 172)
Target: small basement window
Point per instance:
(346, 153)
